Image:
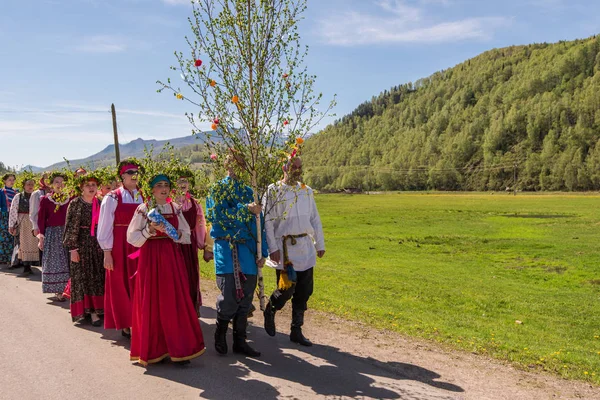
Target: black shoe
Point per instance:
(181, 363)
(125, 334)
(296, 336)
(221, 336)
(25, 273)
(99, 323)
(240, 346)
(269, 315)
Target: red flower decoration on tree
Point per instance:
(198, 63)
(286, 122)
(216, 121)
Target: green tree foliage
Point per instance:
(533, 110)
(5, 169)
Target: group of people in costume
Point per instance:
(129, 262)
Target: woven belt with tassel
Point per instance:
(238, 276)
(288, 277)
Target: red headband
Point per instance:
(127, 167)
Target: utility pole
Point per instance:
(116, 134)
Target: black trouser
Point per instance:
(300, 292)
(227, 305)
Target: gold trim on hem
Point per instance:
(159, 359)
(189, 357)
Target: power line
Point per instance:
(417, 169)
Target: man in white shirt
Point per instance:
(295, 239)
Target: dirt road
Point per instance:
(45, 356)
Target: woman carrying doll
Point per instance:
(164, 321)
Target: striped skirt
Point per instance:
(55, 261)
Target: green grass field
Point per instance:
(462, 269)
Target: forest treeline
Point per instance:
(527, 111)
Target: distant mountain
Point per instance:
(32, 168)
(527, 117)
(134, 148)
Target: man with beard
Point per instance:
(295, 239)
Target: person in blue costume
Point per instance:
(7, 241)
(232, 212)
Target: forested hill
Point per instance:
(533, 110)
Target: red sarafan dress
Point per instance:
(119, 286)
(164, 321)
(190, 251)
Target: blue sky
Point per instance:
(63, 62)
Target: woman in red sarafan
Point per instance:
(116, 212)
(164, 321)
(194, 215)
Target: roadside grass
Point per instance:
(516, 278)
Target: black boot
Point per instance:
(240, 345)
(296, 336)
(269, 315)
(26, 271)
(221, 336)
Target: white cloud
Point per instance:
(100, 108)
(64, 128)
(440, 2)
(101, 44)
(401, 10)
(404, 24)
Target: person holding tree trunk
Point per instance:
(295, 237)
(116, 212)
(231, 210)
